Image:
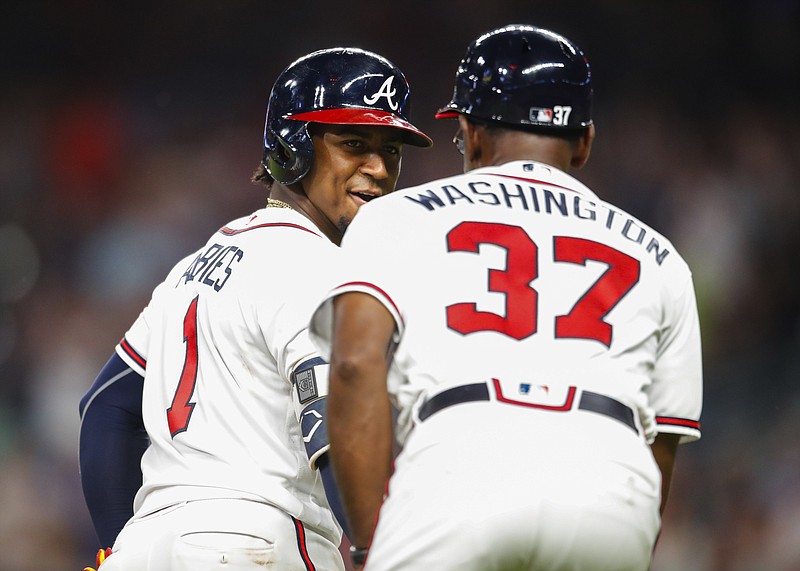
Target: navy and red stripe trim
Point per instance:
(676, 421)
(232, 232)
(380, 291)
(301, 544)
(132, 353)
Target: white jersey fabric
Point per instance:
(520, 277)
(216, 345)
(601, 300)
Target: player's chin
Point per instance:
(343, 222)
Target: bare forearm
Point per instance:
(361, 454)
(359, 413)
(665, 449)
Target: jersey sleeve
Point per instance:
(283, 314)
(132, 352)
(365, 268)
(286, 304)
(132, 349)
(676, 393)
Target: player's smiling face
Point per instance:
(352, 165)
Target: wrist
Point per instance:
(358, 555)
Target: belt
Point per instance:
(589, 401)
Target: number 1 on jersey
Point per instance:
(180, 411)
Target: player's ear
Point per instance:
(584, 147)
(473, 143)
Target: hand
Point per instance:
(647, 417)
(99, 558)
(358, 556)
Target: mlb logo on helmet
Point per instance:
(541, 115)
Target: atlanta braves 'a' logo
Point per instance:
(386, 91)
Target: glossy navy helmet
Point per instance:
(333, 86)
(523, 76)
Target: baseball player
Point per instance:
(534, 339)
(216, 389)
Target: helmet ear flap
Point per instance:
(287, 158)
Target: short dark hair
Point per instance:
(262, 176)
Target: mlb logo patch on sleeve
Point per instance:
(306, 384)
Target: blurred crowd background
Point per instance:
(129, 130)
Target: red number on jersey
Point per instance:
(180, 411)
(584, 321)
(521, 253)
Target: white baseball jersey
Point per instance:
(548, 287)
(516, 284)
(216, 345)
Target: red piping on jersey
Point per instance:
(301, 544)
(231, 232)
(380, 291)
(562, 407)
(132, 353)
(531, 180)
(673, 421)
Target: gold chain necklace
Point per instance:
(274, 203)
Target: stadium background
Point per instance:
(129, 131)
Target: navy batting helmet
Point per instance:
(523, 76)
(333, 86)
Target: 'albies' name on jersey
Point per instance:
(212, 267)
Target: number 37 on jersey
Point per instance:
(517, 282)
